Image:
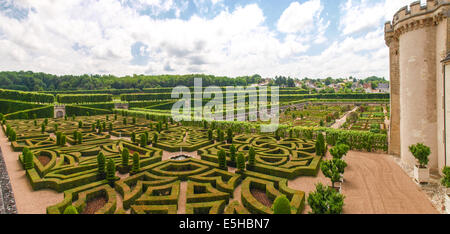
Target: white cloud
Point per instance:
(300, 17)
(359, 15)
(81, 36)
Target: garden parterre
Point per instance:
(155, 186)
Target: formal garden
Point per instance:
(141, 161)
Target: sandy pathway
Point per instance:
(27, 200)
(182, 198)
(374, 184)
(342, 120)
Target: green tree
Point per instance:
(222, 158)
(42, 128)
(233, 151)
(133, 137)
(28, 159)
(240, 162)
(111, 172)
(125, 157)
(229, 135)
(333, 169)
(101, 159)
(143, 140)
(421, 153)
(210, 135)
(136, 163)
(325, 200)
(251, 156)
(321, 147)
(339, 151)
(155, 139)
(281, 205)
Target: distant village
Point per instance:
(371, 84)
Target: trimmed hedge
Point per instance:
(26, 96)
(83, 111)
(83, 98)
(40, 112)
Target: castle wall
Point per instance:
(418, 117)
(394, 130)
(441, 52)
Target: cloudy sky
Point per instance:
(303, 38)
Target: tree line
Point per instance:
(31, 81)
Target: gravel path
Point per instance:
(27, 200)
(342, 120)
(374, 184)
(7, 202)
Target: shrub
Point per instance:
(136, 163)
(134, 120)
(12, 135)
(42, 128)
(221, 155)
(155, 139)
(125, 157)
(210, 134)
(446, 178)
(133, 137)
(124, 121)
(101, 164)
(143, 140)
(80, 124)
(111, 172)
(56, 127)
(233, 153)
(321, 147)
(333, 169)
(28, 160)
(240, 161)
(281, 205)
(421, 153)
(325, 200)
(251, 156)
(110, 126)
(80, 138)
(229, 136)
(70, 210)
(339, 151)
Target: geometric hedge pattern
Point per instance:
(159, 185)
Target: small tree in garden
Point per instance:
(291, 133)
(219, 132)
(281, 205)
(104, 125)
(80, 138)
(159, 127)
(124, 121)
(240, 161)
(421, 153)
(73, 117)
(28, 160)
(65, 117)
(147, 138)
(222, 158)
(93, 127)
(445, 181)
(251, 156)
(110, 126)
(277, 135)
(136, 163)
(35, 122)
(80, 124)
(229, 136)
(155, 139)
(210, 135)
(12, 135)
(107, 118)
(125, 157)
(70, 210)
(46, 121)
(42, 128)
(166, 126)
(321, 147)
(115, 117)
(101, 164)
(134, 120)
(233, 151)
(111, 172)
(339, 151)
(143, 140)
(325, 200)
(133, 137)
(333, 169)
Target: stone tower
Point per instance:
(418, 41)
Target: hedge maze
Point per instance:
(65, 158)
